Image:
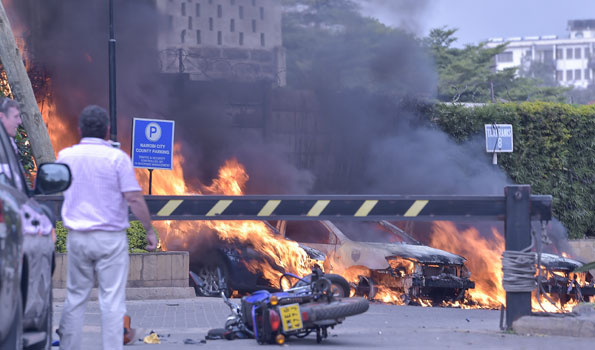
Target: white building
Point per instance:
(222, 39)
(571, 57)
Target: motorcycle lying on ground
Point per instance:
(310, 305)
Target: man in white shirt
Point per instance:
(95, 212)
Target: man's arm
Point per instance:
(139, 208)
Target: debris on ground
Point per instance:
(152, 338)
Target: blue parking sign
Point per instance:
(498, 138)
(152, 143)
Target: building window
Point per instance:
(505, 56)
(197, 10)
(233, 2)
(577, 74)
(253, 26)
(559, 75)
(253, 2)
(577, 53)
(198, 37)
(232, 25)
(219, 11)
(183, 9)
(170, 21)
(241, 38)
(210, 2)
(568, 54)
(587, 52)
(241, 12)
(219, 38)
(210, 23)
(569, 75)
(262, 43)
(559, 54)
(262, 13)
(587, 74)
(528, 53)
(183, 36)
(190, 22)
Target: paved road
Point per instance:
(383, 326)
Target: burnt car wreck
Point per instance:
(559, 280)
(379, 255)
(224, 267)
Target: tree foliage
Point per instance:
(469, 75)
(331, 46)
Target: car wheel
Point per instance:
(14, 338)
(209, 273)
(365, 288)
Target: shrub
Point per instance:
(554, 151)
(137, 237)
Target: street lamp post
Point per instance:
(112, 75)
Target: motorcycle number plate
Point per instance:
(291, 317)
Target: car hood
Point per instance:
(557, 262)
(421, 253)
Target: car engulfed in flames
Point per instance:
(384, 263)
(563, 284)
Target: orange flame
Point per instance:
(483, 260)
(231, 180)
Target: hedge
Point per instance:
(554, 151)
(137, 237)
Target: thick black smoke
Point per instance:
(68, 41)
(376, 140)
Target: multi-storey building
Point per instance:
(571, 59)
(222, 39)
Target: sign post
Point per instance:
(152, 145)
(498, 139)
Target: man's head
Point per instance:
(10, 115)
(93, 122)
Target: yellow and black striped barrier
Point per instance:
(331, 207)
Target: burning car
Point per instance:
(378, 256)
(559, 280)
(231, 266)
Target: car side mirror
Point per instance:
(52, 178)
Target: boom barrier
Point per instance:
(516, 208)
(333, 207)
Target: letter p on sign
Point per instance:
(153, 132)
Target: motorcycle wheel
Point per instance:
(339, 285)
(338, 309)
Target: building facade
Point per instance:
(570, 59)
(222, 39)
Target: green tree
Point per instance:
(330, 45)
(468, 74)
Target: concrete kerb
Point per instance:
(581, 323)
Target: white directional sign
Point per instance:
(498, 138)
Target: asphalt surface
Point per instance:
(383, 326)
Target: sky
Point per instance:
(478, 20)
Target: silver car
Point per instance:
(26, 251)
(374, 254)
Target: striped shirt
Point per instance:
(100, 176)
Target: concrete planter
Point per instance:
(161, 269)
